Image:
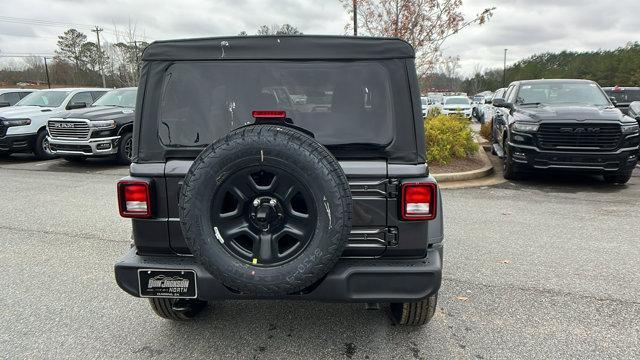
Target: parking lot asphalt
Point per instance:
(543, 268)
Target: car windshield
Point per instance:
(122, 98)
(456, 101)
(562, 93)
(44, 98)
(339, 102)
(624, 96)
(478, 98)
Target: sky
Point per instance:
(525, 27)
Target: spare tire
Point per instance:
(266, 210)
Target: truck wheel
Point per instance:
(177, 309)
(508, 168)
(620, 177)
(414, 314)
(125, 149)
(266, 210)
(41, 147)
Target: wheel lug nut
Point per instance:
(256, 202)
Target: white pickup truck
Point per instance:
(23, 126)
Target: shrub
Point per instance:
(485, 130)
(433, 112)
(448, 137)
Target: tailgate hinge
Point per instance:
(391, 236)
(393, 187)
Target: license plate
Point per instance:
(167, 283)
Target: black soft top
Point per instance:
(294, 47)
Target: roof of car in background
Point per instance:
(3, 90)
(296, 47)
(553, 81)
(620, 88)
(76, 89)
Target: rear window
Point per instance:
(624, 95)
(339, 102)
(456, 101)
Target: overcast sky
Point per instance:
(525, 27)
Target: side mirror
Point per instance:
(499, 102)
(503, 104)
(4, 104)
(77, 105)
(613, 100)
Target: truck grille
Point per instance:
(572, 135)
(3, 129)
(69, 129)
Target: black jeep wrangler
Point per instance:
(281, 168)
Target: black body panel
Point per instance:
(17, 143)
(352, 280)
(303, 47)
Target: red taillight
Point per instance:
(419, 201)
(134, 199)
(269, 114)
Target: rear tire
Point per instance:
(414, 314)
(620, 177)
(41, 146)
(167, 308)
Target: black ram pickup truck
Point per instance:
(103, 129)
(281, 167)
(564, 125)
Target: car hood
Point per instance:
(99, 113)
(15, 112)
(579, 113)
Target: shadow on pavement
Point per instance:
(30, 163)
(567, 182)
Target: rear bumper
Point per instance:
(91, 147)
(531, 157)
(351, 280)
(17, 143)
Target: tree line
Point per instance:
(606, 67)
(79, 62)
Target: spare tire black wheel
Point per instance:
(266, 210)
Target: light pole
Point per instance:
(97, 30)
(504, 69)
(355, 17)
(46, 70)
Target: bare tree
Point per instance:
(284, 29)
(425, 24)
(126, 56)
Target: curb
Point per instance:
(486, 170)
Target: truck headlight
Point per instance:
(103, 124)
(16, 122)
(524, 127)
(630, 129)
